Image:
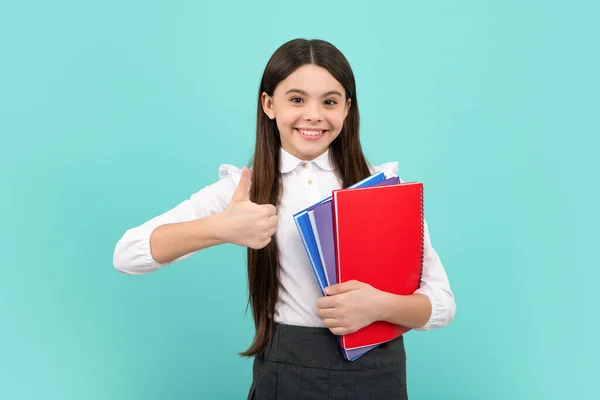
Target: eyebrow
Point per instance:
(302, 92)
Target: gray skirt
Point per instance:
(307, 363)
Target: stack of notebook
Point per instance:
(371, 232)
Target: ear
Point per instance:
(267, 105)
(347, 109)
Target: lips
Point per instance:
(310, 134)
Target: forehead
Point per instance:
(312, 79)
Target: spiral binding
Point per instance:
(422, 234)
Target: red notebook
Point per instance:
(379, 240)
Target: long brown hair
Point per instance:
(346, 156)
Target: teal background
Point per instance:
(112, 112)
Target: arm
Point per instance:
(411, 311)
(144, 248)
(205, 220)
(176, 240)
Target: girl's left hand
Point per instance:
(348, 307)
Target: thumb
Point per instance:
(241, 193)
(334, 289)
(340, 288)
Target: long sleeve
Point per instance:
(435, 285)
(132, 253)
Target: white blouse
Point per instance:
(304, 183)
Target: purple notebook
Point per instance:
(322, 222)
(321, 218)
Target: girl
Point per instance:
(307, 144)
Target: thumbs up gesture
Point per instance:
(249, 224)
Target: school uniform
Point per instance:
(303, 361)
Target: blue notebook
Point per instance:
(303, 224)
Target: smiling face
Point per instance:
(309, 107)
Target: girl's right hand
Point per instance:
(246, 223)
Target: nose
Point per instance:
(313, 112)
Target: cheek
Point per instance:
(336, 119)
(287, 117)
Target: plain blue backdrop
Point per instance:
(112, 112)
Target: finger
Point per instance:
(243, 187)
(273, 220)
(326, 312)
(269, 209)
(331, 323)
(260, 244)
(326, 302)
(339, 288)
(338, 330)
(267, 241)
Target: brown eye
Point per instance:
(296, 100)
(330, 102)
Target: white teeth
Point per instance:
(310, 133)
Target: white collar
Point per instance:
(288, 162)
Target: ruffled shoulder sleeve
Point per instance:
(230, 171)
(229, 176)
(389, 169)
